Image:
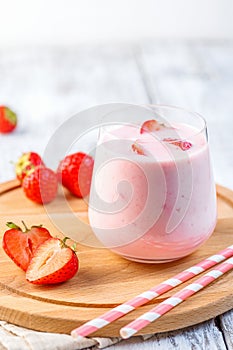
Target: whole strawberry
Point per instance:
(75, 173)
(40, 185)
(53, 262)
(26, 163)
(8, 120)
(21, 245)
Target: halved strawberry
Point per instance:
(21, 245)
(184, 145)
(53, 262)
(26, 163)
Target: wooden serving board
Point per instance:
(104, 279)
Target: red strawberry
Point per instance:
(138, 148)
(150, 126)
(75, 173)
(8, 120)
(27, 162)
(20, 245)
(184, 145)
(53, 262)
(40, 185)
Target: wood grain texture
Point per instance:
(45, 86)
(104, 279)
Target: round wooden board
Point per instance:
(104, 279)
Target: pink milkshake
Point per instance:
(153, 193)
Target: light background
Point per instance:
(174, 52)
(66, 22)
(58, 57)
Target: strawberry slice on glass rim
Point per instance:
(151, 126)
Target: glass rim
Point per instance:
(196, 114)
(168, 107)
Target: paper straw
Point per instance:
(141, 299)
(170, 303)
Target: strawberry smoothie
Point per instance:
(153, 194)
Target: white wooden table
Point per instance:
(47, 86)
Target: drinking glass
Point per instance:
(153, 195)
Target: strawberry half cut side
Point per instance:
(53, 262)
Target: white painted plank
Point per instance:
(201, 337)
(46, 87)
(217, 106)
(194, 77)
(226, 323)
(170, 69)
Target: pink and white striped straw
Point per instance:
(161, 309)
(141, 299)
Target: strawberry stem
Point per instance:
(64, 245)
(63, 242)
(26, 228)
